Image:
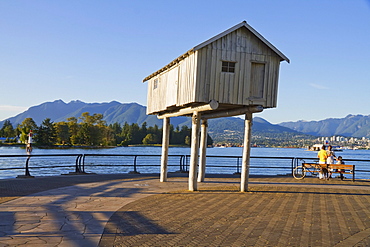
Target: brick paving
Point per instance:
(138, 210)
(275, 214)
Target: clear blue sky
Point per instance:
(99, 51)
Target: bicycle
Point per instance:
(301, 171)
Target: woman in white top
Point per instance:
(330, 159)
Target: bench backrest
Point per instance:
(342, 166)
(332, 166)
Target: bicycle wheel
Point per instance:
(299, 172)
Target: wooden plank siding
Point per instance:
(234, 88)
(275, 83)
(172, 86)
(187, 80)
(242, 79)
(198, 77)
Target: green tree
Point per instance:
(185, 134)
(62, 133)
(116, 131)
(187, 140)
(157, 133)
(143, 131)
(150, 139)
(88, 134)
(73, 130)
(127, 140)
(116, 128)
(83, 134)
(46, 134)
(108, 136)
(125, 136)
(125, 129)
(25, 127)
(95, 119)
(135, 134)
(7, 130)
(177, 137)
(91, 129)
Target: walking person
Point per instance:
(323, 156)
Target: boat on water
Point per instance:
(317, 147)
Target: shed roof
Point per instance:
(207, 42)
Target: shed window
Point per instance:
(155, 84)
(228, 67)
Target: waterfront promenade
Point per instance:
(138, 210)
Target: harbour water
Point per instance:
(150, 164)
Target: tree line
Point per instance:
(92, 130)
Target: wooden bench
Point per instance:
(333, 168)
(344, 169)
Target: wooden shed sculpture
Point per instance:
(236, 72)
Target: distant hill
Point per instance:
(113, 112)
(222, 129)
(350, 126)
(232, 129)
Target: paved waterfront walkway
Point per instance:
(138, 210)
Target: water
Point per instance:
(101, 164)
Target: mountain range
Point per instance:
(113, 112)
(349, 126)
(229, 128)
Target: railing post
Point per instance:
(353, 173)
(77, 159)
(181, 163)
(135, 170)
(83, 163)
(27, 171)
(80, 164)
(186, 163)
(237, 166)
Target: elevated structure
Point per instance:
(236, 72)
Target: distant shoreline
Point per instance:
(83, 147)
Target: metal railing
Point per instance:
(134, 159)
(26, 168)
(135, 163)
(256, 162)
